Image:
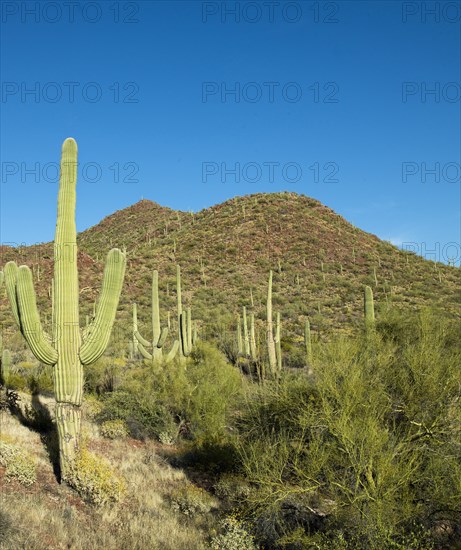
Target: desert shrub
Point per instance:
(93, 478)
(104, 375)
(232, 488)
(191, 500)
(19, 465)
(114, 429)
(194, 401)
(234, 537)
(376, 432)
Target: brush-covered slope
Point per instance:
(320, 262)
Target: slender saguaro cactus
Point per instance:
(253, 352)
(134, 343)
(269, 329)
(246, 337)
(6, 366)
(69, 350)
(239, 337)
(308, 342)
(159, 335)
(278, 345)
(184, 321)
(5, 357)
(186, 332)
(369, 308)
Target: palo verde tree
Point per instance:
(69, 348)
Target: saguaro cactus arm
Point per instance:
(144, 352)
(142, 340)
(21, 294)
(99, 335)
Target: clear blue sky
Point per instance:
(331, 100)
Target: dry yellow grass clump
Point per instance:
(48, 515)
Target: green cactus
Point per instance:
(184, 321)
(253, 352)
(308, 342)
(134, 350)
(239, 337)
(278, 345)
(269, 330)
(5, 367)
(186, 332)
(246, 336)
(369, 308)
(68, 350)
(159, 335)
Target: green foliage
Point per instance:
(114, 429)
(195, 400)
(191, 500)
(234, 536)
(371, 446)
(93, 478)
(19, 466)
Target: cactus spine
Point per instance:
(159, 335)
(269, 329)
(68, 350)
(369, 308)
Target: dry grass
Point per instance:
(49, 515)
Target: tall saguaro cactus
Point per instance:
(159, 335)
(69, 349)
(184, 321)
(269, 329)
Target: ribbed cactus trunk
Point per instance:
(156, 331)
(134, 345)
(269, 329)
(68, 371)
(67, 350)
(278, 345)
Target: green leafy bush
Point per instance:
(114, 429)
(93, 478)
(191, 500)
(370, 447)
(19, 466)
(234, 537)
